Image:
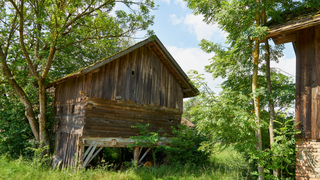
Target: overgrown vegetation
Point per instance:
(226, 165)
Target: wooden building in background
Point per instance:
(303, 30)
(97, 105)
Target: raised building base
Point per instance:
(308, 159)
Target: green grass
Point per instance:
(222, 167)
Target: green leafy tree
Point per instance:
(229, 116)
(38, 37)
(244, 20)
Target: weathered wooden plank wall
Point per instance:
(138, 77)
(136, 87)
(308, 82)
(67, 148)
(107, 118)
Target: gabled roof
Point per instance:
(159, 50)
(293, 21)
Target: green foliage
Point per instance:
(15, 132)
(146, 138)
(45, 40)
(23, 169)
(283, 153)
(230, 121)
(184, 147)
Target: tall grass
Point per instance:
(26, 169)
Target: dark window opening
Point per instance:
(72, 110)
(170, 120)
(132, 72)
(61, 110)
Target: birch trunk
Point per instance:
(271, 103)
(257, 98)
(21, 94)
(44, 135)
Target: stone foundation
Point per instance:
(308, 159)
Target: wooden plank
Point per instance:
(131, 117)
(314, 89)
(89, 79)
(94, 155)
(120, 74)
(142, 77)
(128, 70)
(108, 142)
(101, 81)
(133, 77)
(317, 67)
(103, 133)
(157, 66)
(306, 55)
(89, 149)
(285, 38)
(144, 155)
(129, 106)
(125, 129)
(94, 84)
(89, 156)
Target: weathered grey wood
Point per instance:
(148, 89)
(144, 155)
(95, 154)
(89, 148)
(89, 155)
(317, 89)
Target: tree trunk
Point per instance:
(257, 104)
(22, 95)
(271, 104)
(44, 135)
(254, 91)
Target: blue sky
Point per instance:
(180, 31)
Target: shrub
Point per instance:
(185, 146)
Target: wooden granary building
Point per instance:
(97, 106)
(303, 30)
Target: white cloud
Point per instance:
(200, 28)
(287, 66)
(194, 59)
(175, 20)
(167, 1)
(196, 26)
(181, 2)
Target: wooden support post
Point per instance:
(144, 155)
(89, 155)
(81, 153)
(88, 150)
(136, 153)
(94, 155)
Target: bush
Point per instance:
(185, 146)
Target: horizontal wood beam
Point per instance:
(114, 142)
(284, 38)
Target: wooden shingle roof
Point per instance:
(293, 21)
(155, 45)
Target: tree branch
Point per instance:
(84, 13)
(13, 27)
(4, 82)
(15, 6)
(24, 50)
(87, 38)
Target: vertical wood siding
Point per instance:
(67, 148)
(138, 77)
(308, 82)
